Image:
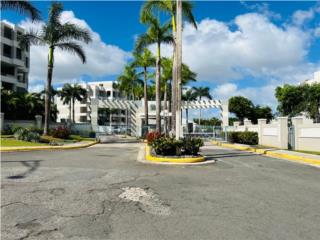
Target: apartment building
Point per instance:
(315, 79)
(96, 91)
(14, 60)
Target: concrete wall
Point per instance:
(307, 135)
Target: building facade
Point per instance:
(315, 79)
(14, 61)
(103, 90)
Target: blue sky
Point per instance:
(240, 48)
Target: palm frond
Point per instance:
(143, 41)
(187, 7)
(21, 6)
(74, 48)
(54, 14)
(70, 31)
(32, 37)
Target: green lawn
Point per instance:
(11, 142)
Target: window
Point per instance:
(83, 109)
(83, 118)
(27, 62)
(153, 107)
(21, 90)
(7, 51)
(7, 32)
(108, 93)
(21, 76)
(7, 70)
(84, 101)
(18, 53)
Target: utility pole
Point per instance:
(178, 66)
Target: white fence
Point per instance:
(305, 134)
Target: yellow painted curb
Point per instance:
(151, 158)
(270, 153)
(24, 149)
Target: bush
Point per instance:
(7, 130)
(250, 138)
(167, 146)
(26, 135)
(151, 136)
(191, 146)
(60, 132)
(35, 129)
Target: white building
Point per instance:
(315, 79)
(95, 90)
(14, 60)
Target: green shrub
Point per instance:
(7, 130)
(35, 129)
(60, 132)
(250, 138)
(26, 135)
(167, 146)
(191, 146)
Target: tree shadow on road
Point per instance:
(32, 165)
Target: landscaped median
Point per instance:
(171, 159)
(77, 145)
(309, 159)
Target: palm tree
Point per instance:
(130, 83)
(155, 34)
(187, 97)
(21, 6)
(144, 60)
(169, 7)
(70, 93)
(57, 35)
(202, 92)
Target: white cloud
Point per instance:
(102, 59)
(301, 16)
(220, 54)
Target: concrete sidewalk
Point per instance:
(76, 145)
(310, 159)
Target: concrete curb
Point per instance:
(272, 153)
(39, 148)
(144, 152)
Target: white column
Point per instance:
(2, 122)
(295, 122)
(283, 132)
(261, 123)
(38, 121)
(94, 114)
(225, 114)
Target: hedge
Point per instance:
(250, 138)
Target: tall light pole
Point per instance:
(178, 66)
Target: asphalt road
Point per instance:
(102, 192)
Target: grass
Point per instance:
(11, 142)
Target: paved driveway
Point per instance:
(102, 192)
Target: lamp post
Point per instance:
(178, 66)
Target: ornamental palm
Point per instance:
(144, 60)
(156, 34)
(70, 93)
(202, 92)
(169, 7)
(21, 6)
(130, 83)
(57, 35)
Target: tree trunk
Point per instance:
(178, 67)
(199, 120)
(70, 111)
(187, 121)
(73, 100)
(145, 90)
(174, 77)
(158, 100)
(165, 108)
(48, 93)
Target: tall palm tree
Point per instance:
(57, 35)
(129, 83)
(202, 92)
(169, 7)
(70, 93)
(144, 60)
(187, 97)
(157, 34)
(22, 6)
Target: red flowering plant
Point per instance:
(151, 136)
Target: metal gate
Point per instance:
(291, 138)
